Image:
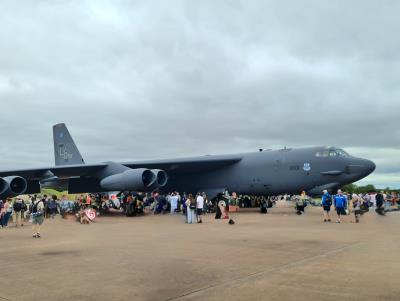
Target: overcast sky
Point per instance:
(160, 79)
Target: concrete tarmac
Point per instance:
(278, 256)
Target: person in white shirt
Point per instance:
(199, 206)
(174, 202)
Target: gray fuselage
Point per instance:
(276, 172)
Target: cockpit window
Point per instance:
(323, 154)
(332, 153)
(342, 153)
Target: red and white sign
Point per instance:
(91, 214)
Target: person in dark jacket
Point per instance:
(326, 205)
(380, 199)
(340, 205)
(264, 206)
(52, 206)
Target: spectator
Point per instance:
(264, 206)
(191, 207)
(206, 201)
(379, 203)
(88, 200)
(173, 200)
(2, 213)
(301, 203)
(199, 206)
(223, 208)
(179, 201)
(52, 206)
(7, 211)
(18, 207)
(395, 199)
(184, 206)
(367, 200)
(67, 206)
(340, 205)
(218, 212)
(37, 213)
(388, 201)
(356, 204)
(326, 205)
(45, 201)
(81, 216)
(23, 211)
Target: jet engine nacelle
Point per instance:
(162, 177)
(140, 179)
(12, 186)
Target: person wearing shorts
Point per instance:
(357, 202)
(326, 205)
(340, 205)
(37, 213)
(199, 207)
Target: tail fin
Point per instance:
(65, 150)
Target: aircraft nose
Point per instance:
(361, 166)
(369, 166)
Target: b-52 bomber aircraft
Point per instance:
(269, 172)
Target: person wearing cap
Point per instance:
(340, 204)
(326, 205)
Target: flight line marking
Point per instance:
(260, 273)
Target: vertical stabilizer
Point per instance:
(65, 150)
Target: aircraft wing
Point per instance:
(187, 165)
(59, 171)
(174, 166)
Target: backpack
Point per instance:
(52, 204)
(17, 206)
(192, 204)
(34, 206)
(328, 201)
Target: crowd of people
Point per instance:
(35, 209)
(350, 204)
(86, 207)
(19, 210)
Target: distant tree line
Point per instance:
(353, 188)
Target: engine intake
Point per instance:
(162, 177)
(12, 186)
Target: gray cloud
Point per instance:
(156, 79)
